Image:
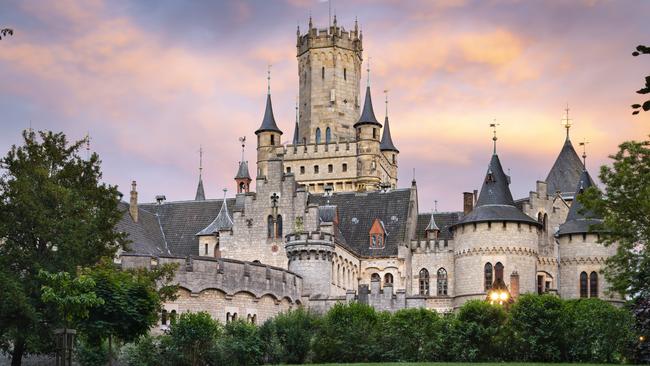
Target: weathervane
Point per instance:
(368, 70)
(200, 160)
(386, 92)
(494, 130)
(566, 121)
(435, 205)
(268, 79)
(242, 141)
(584, 152)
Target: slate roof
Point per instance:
(444, 220)
(180, 221)
(386, 139)
(200, 193)
(565, 173)
(357, 211)
(432, 226)
(579, 220)
(268, 122)
(368, 113)
(296, 135)
(223, 221)
(145, 236)
(495, 201)
(242, 171)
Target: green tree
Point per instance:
(476, 331)
(73, 297)
(640, 50)
(624, 206)
(192, 340)
(288, 336)
(424, 330)
(56, 215)
(131, 301)
(242, 344)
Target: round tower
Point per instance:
(310, 256)
(329, 72)
(268, 139)
(493, 241)
(368, 146)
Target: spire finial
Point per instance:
(435, 205)
(368, 70)
(494, 137)
(566, 121)
(584, 153)
(200, 161)
(386, 92)
(268, 79)
(224, 194)
(329, 12)
(242, 141)
(356, 25)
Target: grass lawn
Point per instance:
(458, 364)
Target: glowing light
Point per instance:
(494, 296)
(504, 296)
(641, 338)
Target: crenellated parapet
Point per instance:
(432, 246)
(332, 36)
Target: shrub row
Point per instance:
(536, 328)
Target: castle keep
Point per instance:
(328, 223)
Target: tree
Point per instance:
(476, 331)
(72, 296)
(424, 330)
(624, 206)
(55, 215)
(4, 32)
(192, 339)
(289, 336)
(242, 344)
(131, 302)
(646, 90)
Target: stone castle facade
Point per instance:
(327, 222)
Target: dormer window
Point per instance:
(377, 235)
(489, 178)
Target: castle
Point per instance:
(328, 223)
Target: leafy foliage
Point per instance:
(72, 296)
(289, 336)
(424, 330)
(625, 208)
(241, 344)
(645, 90)
(192, 340)
(476, 330)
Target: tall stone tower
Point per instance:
(329, 70)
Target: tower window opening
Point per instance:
(344, 167)
(345, 74)
(288, 169)
(374, 133)
(318, 135)
(315, 169)
(498, 272)
(322, 71)
(270, 229)
(272, 139)
(330, 168)
(205, 252)
(278, 227)
(302, 170)
(328, 135)
(393, 158)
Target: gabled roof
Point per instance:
(145, 236)
(223, 221)
(200, 193)
(495, 201)
(565, 173)
(386, 139)
(242, 172)
(368, 113)
(268, 122)
(579, 220)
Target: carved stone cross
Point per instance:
(274, 199)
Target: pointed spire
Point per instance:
(268, 122)
(242, 172)
(584, 153)
(432, 226)
(368, 113)
(566, 170)
(580, 220)
(296, 134)
(494, 138)
(386, 139)
(223, 221)
(200, 193)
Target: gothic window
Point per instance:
(388, 278)
(345, 167)
(583, 284)
(442, 282)
(328, 135)
(272, 139)
(424, 282)
(330, 168)
(498, 272)
(322, 71)
(318, 135)
(163, 317)
(315, 169)
(545, 222)
(269, 228)
(278, 227)
(540, 284)
(488, 276)
(375, 277)
(345, 74)
(593, 284)
(358, 133)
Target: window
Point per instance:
(206, 250)
(269, 224)
(583, 284)
(388, 279)
(488, 276)
(302, 170)
(278, 227)
(241, 187)
(163, 317)
(374, 133)
(593, 284)
(376, 241)
(322, 72)
(540, 284)
(393, 158)
(328, 135)
(375, 277)
(318, 135)
(424, 282)
(315, 169)
(498, 272)
(442, 282)
(344, 167)
(345, 74)
(272, 139)
(330, 168)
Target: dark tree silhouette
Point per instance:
(641, 50)
(6, 32)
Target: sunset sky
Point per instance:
(151, 81)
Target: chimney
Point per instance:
(514, 285)
(133, 204)
(475, 197)
(468, 202)
(160, 199)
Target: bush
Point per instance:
(348, 333)
(241, 344)
(423, 330)
(144, 352)
(288, 336)
(539, 325)
(191, 340)
(599, 332)
(475, 331)
(91, 353)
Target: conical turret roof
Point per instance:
(432, 226)
(565, 173)
(200, 193)
(386, 139)
(296, 135)
(495, 201)
(242, 172)
(368, 113)
(223, 221)
(579, 220)
(268, 122)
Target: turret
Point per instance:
(389, 150)
(310, 256)
(367, 135)
(209, 238)
(268, 139)
(243, 178)
(565, 173)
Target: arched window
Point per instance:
(163, 317)
(545, 222)
(318, 135)
(338, 274)
(270, 230)
(228, 318)
(241, 187)
(442, 282)
(583, 284)
(388, 278)
(424, 282)
(498, 272)
(322, 71)
(375, 277)
(593, 284)
(278, 227)
(488, 276)
(328, 135)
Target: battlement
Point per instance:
(321, 150)
(329, 37)
(432, 246)
(230, 276)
